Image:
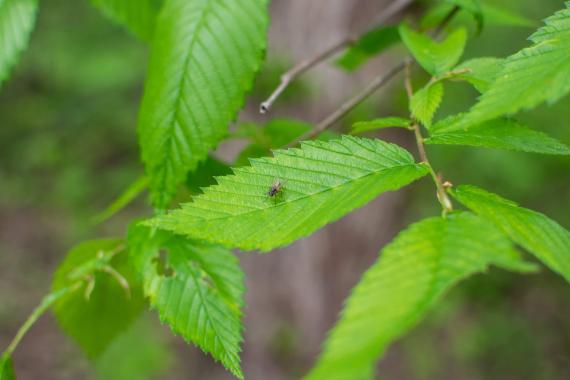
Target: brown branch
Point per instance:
(349, 105)
(323, 55)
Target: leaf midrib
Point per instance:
(283, 204)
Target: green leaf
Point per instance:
(412, 274)
(499, 134)
(197, 288)
(531, 76)
(319, 183)
(94, 320)
(6, 368)
(203, 60)
(482, 72)
(17, 19)
(436, 58)
(126, 197)
(369, 45)
(204, 175)
(138, 16)
(275, 134)
(385, 122)
(140, 353)
(533, 231)
(426, 101)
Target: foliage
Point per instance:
(204, 55)
(201, 55)
(17, 18)
(95, 317)
(320, 182)
(138, 16)
(413, 272)
(197, 288)
(531, 76)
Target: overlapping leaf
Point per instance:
(138, 16)
(436, 58)
(411, 275)
(540, 235)
(17, 18)
(368, 46)
(203, 61)
(197, 288)
(481, 72)
(499, 134)
(531, 76)
(94, 319)
(319, 183)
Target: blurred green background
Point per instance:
(68, 148)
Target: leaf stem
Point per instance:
(442, 197)
(44, 305)
(292, 74)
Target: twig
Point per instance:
(45, 304)
(349, 105)
(308, 63)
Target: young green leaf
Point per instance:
(197, 289)
(531, 76)
(203, 60)
(281, 199)
(126, 197)
(369, 45)
(500, 134)
(426, 101)
(138, 16)
(482, 72)
(436, 58)
(17, 18)
(535, 232)
(6, 368)
(385, 122)
(411, 275)
(93, 318)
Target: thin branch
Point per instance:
(289, 76)
(44, 305)
(349, 105)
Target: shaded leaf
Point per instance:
(17, 19)
(369, 45)
(436, 58)
(204, 175)
(202, 63)
(318, 184)
(535, 232)
(410, 277)
(140, 353)
(500, 134)
(197, 289)
(138, 16)
(95, 321)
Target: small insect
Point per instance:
(275, 190)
